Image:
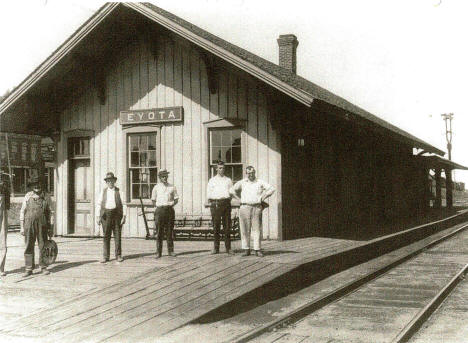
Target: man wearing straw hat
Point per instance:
(112, 216)
(164, 197)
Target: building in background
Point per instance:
(26, 157)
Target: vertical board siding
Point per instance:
(95, 109)
(252, 126)
(120, 144)
(59, 190)
(242, 99)
(232, 96)
(223, 95)
(274, 165)
(196, 134)
(214, 105)
(187, 135)
(171, 74)
(262, 148)
(205, 116)
(112, 124)
(168, 67)
(178, 128)
(127, 103)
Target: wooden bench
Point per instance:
(192, 227)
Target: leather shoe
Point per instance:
(27, 273)
(259, 253)
(103, 260)
(45, 271)
(2, 274)
(119, 259)
(214, 252)
(246, 253)
(172, 254)
(157, 257)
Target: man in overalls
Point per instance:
(4, 207)
(35, 225)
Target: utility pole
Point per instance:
(447, 117)
(448, 172)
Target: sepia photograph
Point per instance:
(234, 171)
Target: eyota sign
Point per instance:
(152, 115)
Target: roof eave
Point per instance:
(52, 60)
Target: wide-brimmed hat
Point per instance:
(163, 172)
(110, 176)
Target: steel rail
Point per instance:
(320, 302)
(423, 315)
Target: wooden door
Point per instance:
(80, 188)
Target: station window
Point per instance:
(226, 145)
(21, 178)
(142, 164)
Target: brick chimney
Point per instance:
(287, 51)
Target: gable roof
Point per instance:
(280, 78)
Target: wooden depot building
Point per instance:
(136, 89)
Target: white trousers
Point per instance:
(250, 222)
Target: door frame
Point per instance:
(72, 201)
(66, 201)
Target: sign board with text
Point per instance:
(153, 115)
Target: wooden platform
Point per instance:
(141, 298)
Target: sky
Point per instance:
(404, 61)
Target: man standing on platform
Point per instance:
(35, 224)
(112, 216)
(253, 193)
(4, 207)
(164, 197)
(220, 204)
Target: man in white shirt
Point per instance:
(253, 193)
(219, 197)
(112, 216)
(164, 197)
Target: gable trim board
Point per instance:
(57, 55)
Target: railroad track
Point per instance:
(389, 308)
(378, 284)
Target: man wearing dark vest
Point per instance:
(112, 216)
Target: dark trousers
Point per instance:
(111, 224)
(221, 213)
(164, 222)
(34, 230)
